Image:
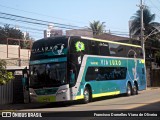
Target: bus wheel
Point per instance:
(135, 89)
(86, 96)
(129, 89)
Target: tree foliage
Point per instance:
(150, 27)
(4, 75)
(151, 30)
(157, 56)
(27, 44)
(9, 32)
(148, 19)
(97, 27)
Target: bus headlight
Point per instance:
(62, 91)
(32, 94)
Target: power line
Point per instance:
(22, 27)
(38, 23)
(41, 21)
(155, 13)
(37, 13)
(158, 1)
(154, 5)
(23, 19)
(40, 15)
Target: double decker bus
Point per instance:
(70, 68)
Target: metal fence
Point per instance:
(6, 93)
(12, 92)
(156, 78)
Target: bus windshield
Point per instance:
(47, 75)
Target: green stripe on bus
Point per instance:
(99, 95)
(106, 94)
(63, 59)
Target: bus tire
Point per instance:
(87, 95)
(135, 89)
(129, 89)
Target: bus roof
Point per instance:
(94, 39)
(109, 41)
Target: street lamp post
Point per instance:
(144, 38)
(150, 58)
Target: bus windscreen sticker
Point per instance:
(58, 49)
(79, 46)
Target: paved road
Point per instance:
(148, 100)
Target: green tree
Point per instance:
(148, 20)
(28, 41)
(157, 57)
(157, 54)
(9, 32)
(4, 75)
(97, 27)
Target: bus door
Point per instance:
(25, 82)
(72, 81)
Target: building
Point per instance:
(80, 32)
(51, 32)
(109, 36)
(25, 35)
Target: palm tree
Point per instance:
(97, 27)
(148, 19)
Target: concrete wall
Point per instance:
(13, 52)
(153, 76)
(13, 55)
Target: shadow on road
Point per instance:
(150, 107)
(49, 105)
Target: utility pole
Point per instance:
(142, 29)
(142, 36)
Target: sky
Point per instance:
(115, 13)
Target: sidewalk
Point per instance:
(152, 88)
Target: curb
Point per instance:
(152, 88)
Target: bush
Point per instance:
(4, 75)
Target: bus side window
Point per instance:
(72, 74)
(142, 70)
(94, 49)
(104, 49)
(72, 77)
(25, 80)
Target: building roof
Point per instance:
(108, 36)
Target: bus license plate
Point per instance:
(46, 99)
